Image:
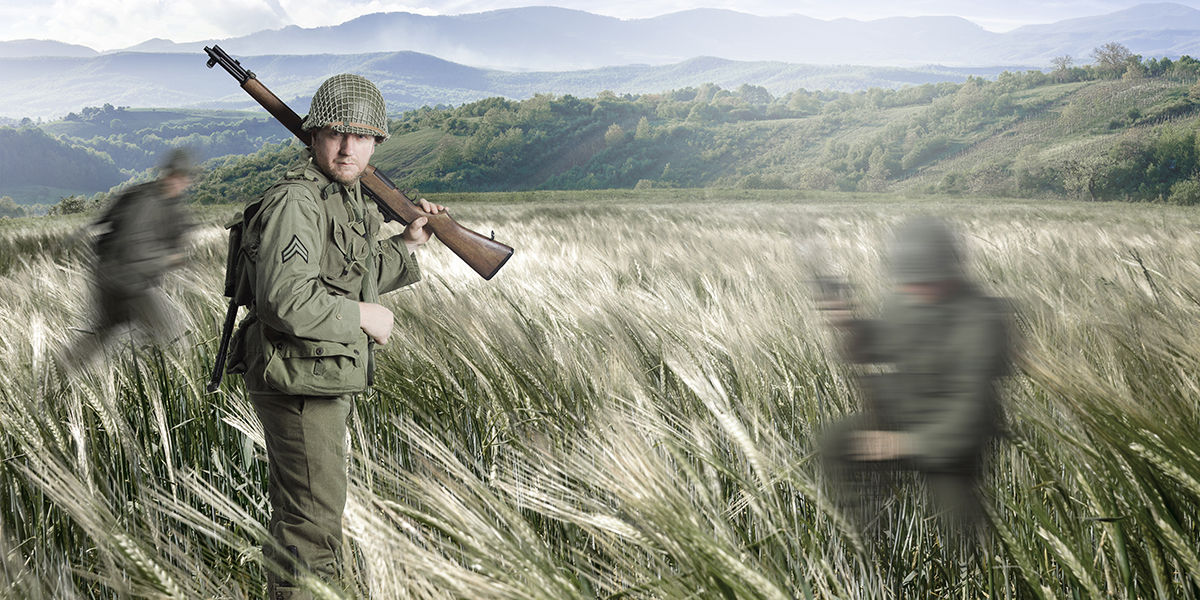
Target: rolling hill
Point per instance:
(1084, 131)
(1023, 135)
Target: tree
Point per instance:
(1062, 66)
(10, 208)
(706, 92)
(703, 113)
(615, 135)
(755, 94)
(643, 129)
(70, 205)
(1135, 70)
(1112, 58)
(1186, 192)
(1082, 175)
(803, 103)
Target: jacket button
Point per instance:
(320, 351)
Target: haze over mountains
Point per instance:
(519, 52)
(546, 38)
(51, 87)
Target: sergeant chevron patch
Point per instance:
(294, 248)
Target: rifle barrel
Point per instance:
(217, 56)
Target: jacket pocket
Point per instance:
(314, 368)
(344, 263)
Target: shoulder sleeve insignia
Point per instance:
(294, 248)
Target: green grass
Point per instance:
(629, 410)
(410, 151)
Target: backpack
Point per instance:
(238, 286)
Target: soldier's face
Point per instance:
(342, 156)
(177, 184)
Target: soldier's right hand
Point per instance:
(415, 235)
(376, 321)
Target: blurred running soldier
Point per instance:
(143, 236)
(316, 268)
(935, 408)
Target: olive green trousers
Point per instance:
(306, 453)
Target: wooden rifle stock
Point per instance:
(484, 255)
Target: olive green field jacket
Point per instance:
(313, 253)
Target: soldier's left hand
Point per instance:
(415, 235)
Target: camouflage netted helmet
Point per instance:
(925, 251)
(350, 104)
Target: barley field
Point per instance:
(630, 409)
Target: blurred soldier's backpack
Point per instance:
(112, 246)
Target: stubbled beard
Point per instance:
(346, 181)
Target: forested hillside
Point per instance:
(29, 158)
(99, 147)
(1123, 128)
(137, 138)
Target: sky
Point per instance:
(109, 25)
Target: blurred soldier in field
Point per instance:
(142, 237)
(316, 267)
(933, 407)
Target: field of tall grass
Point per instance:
(630, 409)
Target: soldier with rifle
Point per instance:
(316, 267)
(307, 262)
(933, 408)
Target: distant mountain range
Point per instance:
(29, 48)
(419, 60)
(545, 38)
(50, 87)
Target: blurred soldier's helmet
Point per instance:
(179, 162)
(924, 251)
(350, 104)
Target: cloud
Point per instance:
(107, 25)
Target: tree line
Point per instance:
(136, 139)
(29, 156)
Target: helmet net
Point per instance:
(350, 104)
